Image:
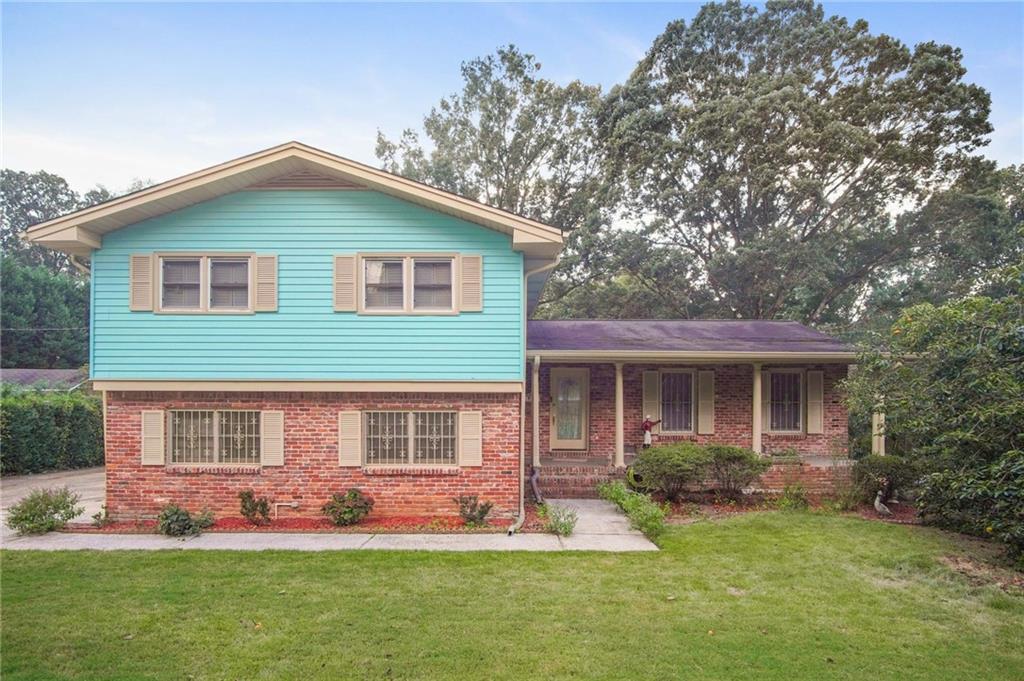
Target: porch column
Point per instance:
(878, 433)
(535, 410)
(620, 446)
(755, 428)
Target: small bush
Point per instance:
(256, 511)
(793, 498)
(734, 468)
(643, 513)
(560, 520)
(43, 510)
(174, 521)
(669, 468)
(348, 508)
(474, 512)
(101, 518)
(889, 473)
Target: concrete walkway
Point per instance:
(87, 483)
(601, 527)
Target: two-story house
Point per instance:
(298, 323)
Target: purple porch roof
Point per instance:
(683, 336)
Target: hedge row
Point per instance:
(49, 431)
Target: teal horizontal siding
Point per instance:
(305, 338)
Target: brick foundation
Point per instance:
(311, 472)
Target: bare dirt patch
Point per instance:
(979, 573)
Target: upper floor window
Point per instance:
(229, 283)
(181, 283)
(205, 283)
(785, 394)
(408, 284)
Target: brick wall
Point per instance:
(311, 472)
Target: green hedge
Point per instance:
(49, 431)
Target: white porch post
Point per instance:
(755, 429)
(878, 433)
(620, 446)
(535, 410)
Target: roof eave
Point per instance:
(697, 356)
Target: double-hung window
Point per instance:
(410, 437)
(677, 401)
(408, 284)
(205, 283)
(786, 401)
(197, 436)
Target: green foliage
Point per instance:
(644, 514)
(986, 501)
(560, 520)
(793, 498)
(43, 510)
(670, 468)
(473, 512)
(890, 474)
(101, 518)
(734, 468)
(42, 431)
(348, 508)
(45, 317)
(255, 510)
(175, 521)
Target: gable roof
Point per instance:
(80, 232)
(709, 339)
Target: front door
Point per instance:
(570, 407)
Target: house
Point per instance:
(298, 323)
(46, 380)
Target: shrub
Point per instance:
(49, 431)
(473, 512)
(887, 473)
(643, 513)
(43, 510)
(560, 520)
(348, 508)
(734, 468)
(101, 518)
(988, 502)
(669, 468)
(793, 498)
(256, 511)
(174, 521)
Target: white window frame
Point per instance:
(408, 283)
(205, 259)
(169, 452)
(410, 427)
(802, 407)
(693, 401)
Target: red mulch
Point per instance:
(376, 525)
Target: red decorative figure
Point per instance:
(648, 427)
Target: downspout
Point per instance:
(522, 401)
(80, 266)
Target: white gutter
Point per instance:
(691, 355)
(84, 269)
(522, 399)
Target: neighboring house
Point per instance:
(46, 379)
(299, 324)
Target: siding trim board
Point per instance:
(470, 387)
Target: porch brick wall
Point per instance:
(310, 474)
(733, 411)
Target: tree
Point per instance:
(785, 157)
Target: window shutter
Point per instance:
(272, 438)
(345, 283)
(265, 299)
(815, 402)
(350, 438)
(152, 438)
(652, 397)
(706, 402)
(766, 401)
(471, 447)
(140, 283)
(472, 281)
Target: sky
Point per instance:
(110, 93)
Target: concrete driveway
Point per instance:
(88, 483)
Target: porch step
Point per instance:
(576, 481)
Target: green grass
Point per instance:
(786, 595)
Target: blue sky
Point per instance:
(105, 93)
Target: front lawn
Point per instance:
(765, 595)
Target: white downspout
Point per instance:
(522, 400)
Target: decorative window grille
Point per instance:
(204, 437)
(181, 283)
(432, 284)
(785, 396)
(384, 285)
(229, 283)
(677, 401)
(419, 437)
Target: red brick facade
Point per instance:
(310, 473)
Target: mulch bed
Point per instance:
(379, 525)
(902, 514)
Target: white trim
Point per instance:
(690, 356)
(286, 386)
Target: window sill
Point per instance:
(785, 434)
(411, 470)
(213, 469)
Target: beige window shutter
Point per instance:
(471, 445)
(272, 438)
(706, 402)
(652, 397)
(815, 402)
(265, 299)
(350, 438)
(140, 283)
(472, 282)
(345, 287)
(766, 403)
(152, 438)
